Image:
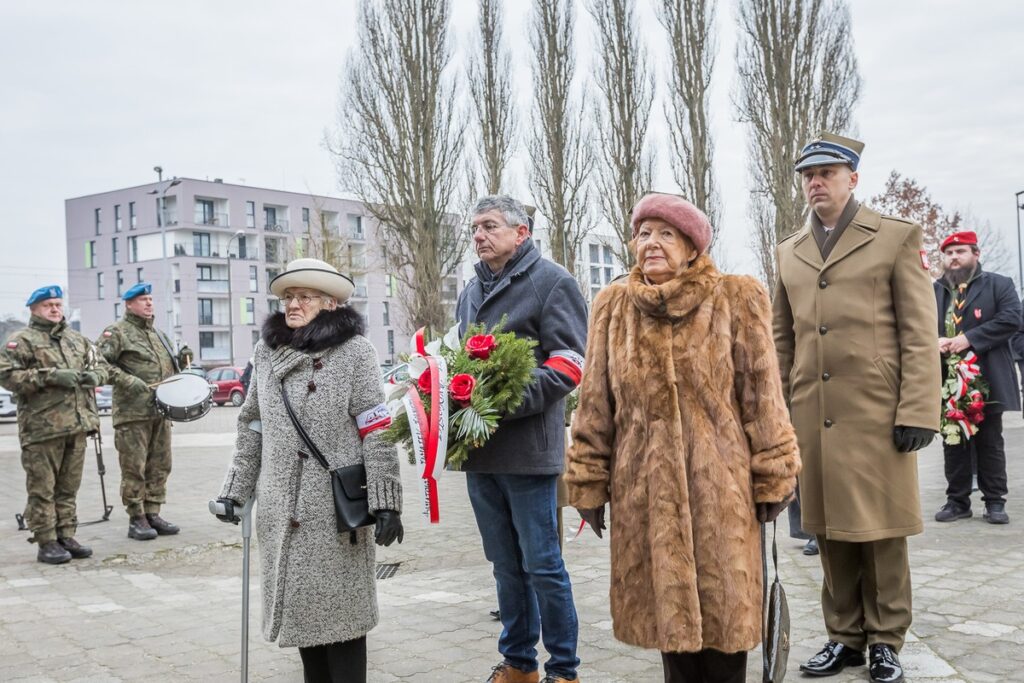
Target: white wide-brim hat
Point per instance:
(313, 274)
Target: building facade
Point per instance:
(210, 249)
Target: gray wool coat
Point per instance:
(318, 588)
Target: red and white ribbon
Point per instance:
(967, 370)
(429, 434)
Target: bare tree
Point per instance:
(400, 146)
(690, 25)
(797, 75)
(560, 155)
(627, 89)
(490, 85)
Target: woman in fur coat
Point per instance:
(319, 590)
(682, 427)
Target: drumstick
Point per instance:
(165, 381)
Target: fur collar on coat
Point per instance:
(325, 331)
(680, 295)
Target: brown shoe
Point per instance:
(162, 526)
(506, 673)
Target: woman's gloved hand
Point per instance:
(389, 527)
(594, 517)
(229, 511)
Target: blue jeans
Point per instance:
(516, 517)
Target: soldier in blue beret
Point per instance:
(53, 370)
(140, 356)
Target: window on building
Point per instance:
(254, 279)
(99, 285)
(274, 305)
(391, 345)
(355, 226)
(114, 255)
(206, 340)
(609, 255)
(201, 244)
(138, 274)
(305, 218)
(271, 274)
(120, 282)
(206, 312)
(117, 218)
(117, 310)
(250, 214)
(270, 217)
(133, 249)
(249, 311)
(98, 217)
(90, 254)
(131, 215)
(205, 273)
(391, 285)
(595, 256)
(204, 212)
(242, 247)
(387, 314)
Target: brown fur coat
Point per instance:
(682, 427)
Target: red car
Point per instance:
(227, 385)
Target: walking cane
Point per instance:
(97, 442)
(246, 512)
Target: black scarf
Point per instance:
(489, 279)
(327, 330)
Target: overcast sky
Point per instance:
(95, 94)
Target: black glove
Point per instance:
(594, 517)
(89, 379)
(767, 512)
(908, 439)
(229, 511)
(63, 378)
(389, 527)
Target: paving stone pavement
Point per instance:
(169, 609)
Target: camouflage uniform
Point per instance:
(139, 355)
(52, 420)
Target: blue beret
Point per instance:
(43, 293)
(137, 290)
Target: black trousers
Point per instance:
(343, 662)
(796, 529)
(990, 455)
(706, 666)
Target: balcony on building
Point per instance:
(273, 250)
(355, 227)
(275, 218)
(212, 212)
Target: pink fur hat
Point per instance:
(677, 212)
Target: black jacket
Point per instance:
(991, 316)
(542, 301)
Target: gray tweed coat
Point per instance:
(318, 588)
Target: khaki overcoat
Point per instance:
(855, 334)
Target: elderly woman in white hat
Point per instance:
(319, 590)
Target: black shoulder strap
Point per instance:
(764, 577)
(314, 451)
(166, 343)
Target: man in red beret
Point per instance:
(985, 313)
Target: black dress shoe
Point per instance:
(885, 665)
(832, 659)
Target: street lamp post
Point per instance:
(231, 303)
(161, 190)
(1017, 206)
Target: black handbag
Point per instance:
(775, 636)
(348, 484)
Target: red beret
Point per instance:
(677, 212)
(966, 238)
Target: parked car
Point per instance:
(227, 385)
(104, 398)
(8, 404)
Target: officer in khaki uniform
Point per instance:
(854, 319)
(140, 355)
(53, 370)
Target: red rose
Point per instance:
(461, 388)
(955, 414)
(977, 406)
(480, 346)
(424, 382)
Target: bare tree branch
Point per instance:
(798, 75)
(490, 85)
(560, 154)
(400, 146)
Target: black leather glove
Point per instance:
(389, 527)
(89, 379)
(595, 518)
(64, 377)
(908, 439)
(767, 512)
(229, 511)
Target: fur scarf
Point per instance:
(325, 331)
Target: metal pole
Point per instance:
(231, 323)
(167, 264)
(246, 535)
(1020, 254)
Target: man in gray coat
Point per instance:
(512, 478)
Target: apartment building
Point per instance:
(210, 249)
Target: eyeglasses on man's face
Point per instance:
(301, 299)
